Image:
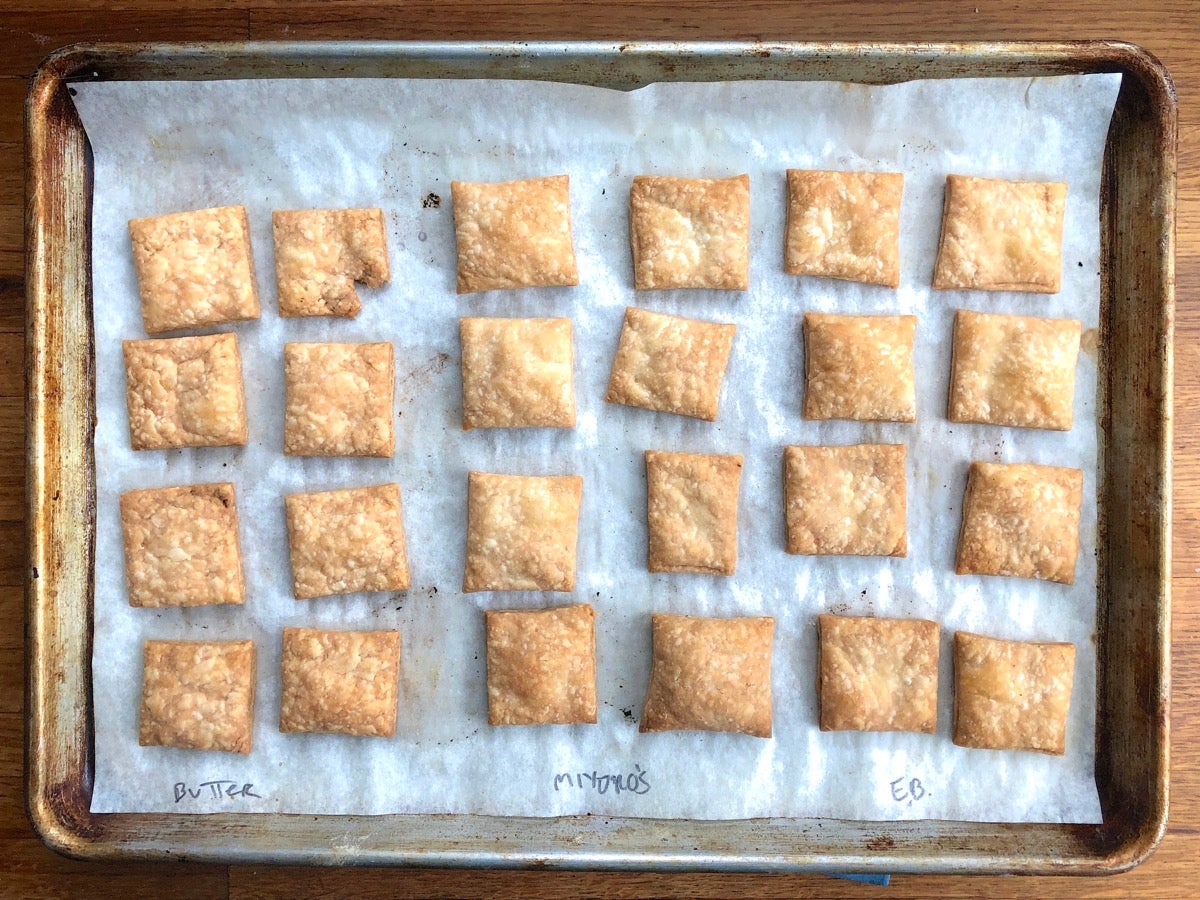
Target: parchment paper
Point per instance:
(164, 147)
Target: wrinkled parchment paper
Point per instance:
(164, 147)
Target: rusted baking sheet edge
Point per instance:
(1137, 243)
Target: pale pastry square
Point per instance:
(338, 399)
(1013, 370)
(345, 682)
(517, 373)
(692, 511)
(670, 364)
(844, 225)
(1001, 235)
(849, 500)
(878, 674)
(194, 268)
(690, 232)
(185, 392)
(514, 234)
(321, 253)
(347, 540)
(709, 675)
(198, 695)
(522, 532)
(859, 367)
(181, 546)
(541, 666)
(1012, 695)
(1021, 520)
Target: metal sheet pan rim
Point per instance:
(54, 805)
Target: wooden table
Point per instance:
(29, 29)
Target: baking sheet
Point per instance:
(162, 147)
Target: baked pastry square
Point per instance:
(692, 511)
(849, 500)
(345, 682)
(844, 225)
(517, 373)
(690, 232)
(541, 666)
(1001, 235)
(1011, 695)
(670, 364)
(338, 399)
(1021, 520)
(878, 674)
(185, 392)
(522, 531)
(859, 367)
(181, 546)
(321, 253)
(194, 268)
(1013, 370)
(347, 540)
(198, 695)
(514, 234)
(709, 675)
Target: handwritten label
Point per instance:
(214, 790)
(910, 790)
(634, 782)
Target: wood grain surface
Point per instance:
(29, 29)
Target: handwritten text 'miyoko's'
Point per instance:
(634, 782)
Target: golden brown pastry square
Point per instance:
(198, 695)
(1012, 695)
(878, 674)
(710, 675)
(321, 253)
(346, 682)
(522, 532)
(514, 234)
(670, 364)
(181, 546)
(541, 666)
(692, 511)
(346, 541)
(185, 392)
(859, 367)
(844, 225)
(690, 232)
(1001, 235)
(1013, 370)
(1021, 520)
(194, 268)
(517, 373)
(848, 500)
(338, 399)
